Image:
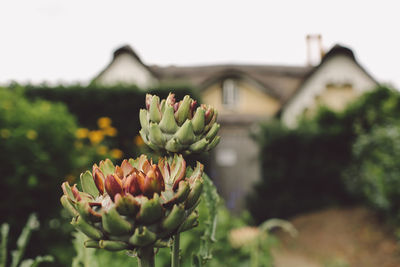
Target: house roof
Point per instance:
(279, 81)
(334, 51)
(126, 49)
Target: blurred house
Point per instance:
(247, 94)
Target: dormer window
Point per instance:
(229, 93)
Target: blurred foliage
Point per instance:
(37, 153)
(374, 174)
(302, 167)
(119, 103)
(15, 257)
(224, 254)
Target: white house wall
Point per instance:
(125, 69)
(339, 69)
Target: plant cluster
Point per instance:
(302, 168)
(87, 103)
(140, 205)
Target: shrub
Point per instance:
(37, 153)
(374, 174)
(302, 168)
(119, 103)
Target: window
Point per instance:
(229, 93)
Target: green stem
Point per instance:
(146, 257)
(175, 251)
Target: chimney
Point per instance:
(315, 51)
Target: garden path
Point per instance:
(339, 237)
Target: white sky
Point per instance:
(73, 40)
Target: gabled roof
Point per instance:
(280, 81)
(126, 49)
(334, 51)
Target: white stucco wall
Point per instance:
(339, 69)
(125, 69)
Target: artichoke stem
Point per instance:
(146, 257)
(175, 251)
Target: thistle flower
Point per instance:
(135, 205)
(178, 126)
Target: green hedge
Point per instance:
(37, 153)
(120, 103)
(302, 168)
(374, 174)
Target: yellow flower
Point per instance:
(110, 131)
(5, 133)
(102, 150)
(104, 122)
(82, 133)
(95, 137)
(116, 153)
(138, 140)
(31, 134)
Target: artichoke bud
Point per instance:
(114, 224)
(154, 111)
(174, 219)
(194, 194)
(112, 245)
(168, 123)
(190, 222)
(150, 210)
(213, 131)
(173, 145)
(143, 120)
(183, 111)
(199, 145)
(91, 244)
(68, 206)
(155, 135)
(87, 213)
(185, 134)
(126, 205)
(213, 143)
(198, 121)
(88, 184)
(86, 228)
(142, 237)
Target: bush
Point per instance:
(119, 103)
(302, 168)
(374, 174)
(37, 153)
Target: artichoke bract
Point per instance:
(178, 127)
(135, 205)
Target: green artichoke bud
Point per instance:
(170, 126)
(136, 204)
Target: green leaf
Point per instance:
(114, 224)
(5, 228)
(88, 184)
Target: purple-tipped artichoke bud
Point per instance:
(178, 126)
(136, 204)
